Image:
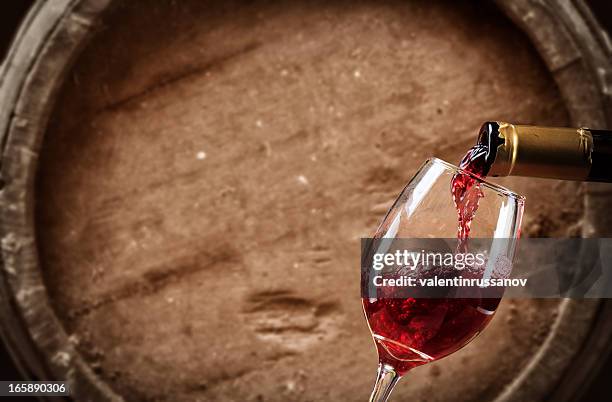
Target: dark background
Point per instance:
(13, 11)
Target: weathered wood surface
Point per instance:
(204, 186)
(208, 171)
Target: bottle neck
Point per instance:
(549, 152)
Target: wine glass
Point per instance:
(411, 331)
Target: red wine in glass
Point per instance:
(409, 332)
(415, 331)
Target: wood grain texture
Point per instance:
(209, 169)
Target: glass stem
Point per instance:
(385, 381)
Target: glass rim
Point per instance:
(500, 189)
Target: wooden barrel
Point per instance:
(184, 186)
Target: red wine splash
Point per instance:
(413, 331)
(465, 189)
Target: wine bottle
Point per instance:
(578, 154)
